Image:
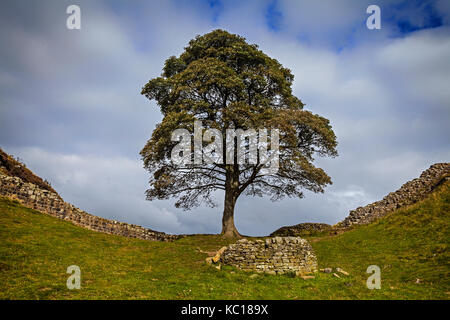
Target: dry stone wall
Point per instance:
(301, 229)
(51, 203)
(409, 193)
(276, 255)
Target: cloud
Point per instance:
(70, 103)
(110, 187)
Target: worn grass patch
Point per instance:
(36, 250)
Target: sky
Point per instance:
(71, 109)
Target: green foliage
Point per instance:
(227, 83)
(36, 250)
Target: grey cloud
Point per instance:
(70, 103)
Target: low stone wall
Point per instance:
(301, 229)
(51, 203)
(274, 255)
(409, 193)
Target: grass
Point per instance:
(36, 250)
(411, 243)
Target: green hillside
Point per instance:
(36, 250)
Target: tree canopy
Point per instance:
(224, 82)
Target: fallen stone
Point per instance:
(218, 254)
(327, 270)
(342, 271)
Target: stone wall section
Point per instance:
(301, 229)
(276, 255)
(409, 193)
(51, 203)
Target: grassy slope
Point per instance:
(411, 243)
(36, 249)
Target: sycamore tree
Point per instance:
(225, 83)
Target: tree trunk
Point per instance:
(228, 228)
